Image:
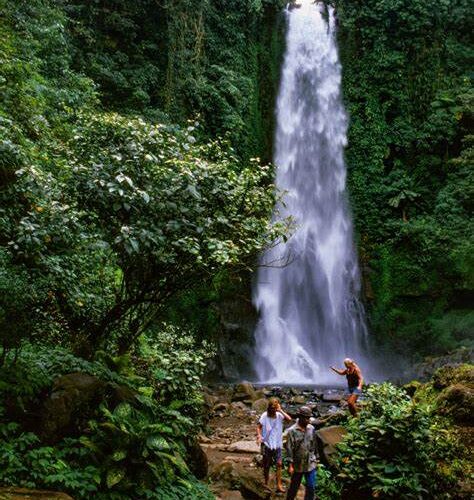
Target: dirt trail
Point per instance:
(232, 454)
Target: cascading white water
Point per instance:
(310, 316)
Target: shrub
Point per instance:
(132, 450)
(174, 363)
(395, 449)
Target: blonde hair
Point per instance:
(271, 408)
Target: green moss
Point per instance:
(457, 402)
(450, 392)
(453, 374)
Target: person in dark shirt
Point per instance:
(354, 383)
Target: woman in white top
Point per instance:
(270, 438)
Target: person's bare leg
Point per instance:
(266, 475)
(351, 401)
(278, 478)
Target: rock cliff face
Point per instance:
(236, 341)
(425, 370)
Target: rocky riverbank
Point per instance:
(232, 454)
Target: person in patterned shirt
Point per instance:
(301, 452)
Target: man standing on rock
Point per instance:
(301, 451)
(270, 438)
(354, 383)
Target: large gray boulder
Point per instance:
(447, 362)
(244, 447)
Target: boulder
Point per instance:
(332, 396)
(210, 400)
(238, 458)
(260, 405)
(226, 473)
(453, 374)
(457, 402)
(252, 488)
(261, 393)
(330, 419)
(221, 408)
(244, 447)
(12, 493)
(425, 370)
(203, 439)
(73, 399)
(328, 438)
(244, 391)
(298, 400)
(240, 406)
(197, 460)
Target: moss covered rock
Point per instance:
(453, 374)
(457, 402)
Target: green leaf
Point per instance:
(157, 442)
(123, 410)
(114, 476)
(194, 192)
(119, 455)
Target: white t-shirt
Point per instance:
(272, 430)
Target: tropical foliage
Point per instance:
(132, 199)
(107, 214)
(136, 448)
(399, 449)
(407, 83)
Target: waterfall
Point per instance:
(309, 313)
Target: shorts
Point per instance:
(271, 457)
(355, 390)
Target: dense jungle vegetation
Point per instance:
(135, 193)
(120, 190)
(407, 69)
